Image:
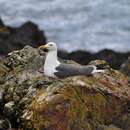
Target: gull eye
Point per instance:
(51, 44)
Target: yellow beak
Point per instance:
(43, 47)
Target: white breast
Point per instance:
(49, 70)
(51, 63)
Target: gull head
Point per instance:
(50, 46)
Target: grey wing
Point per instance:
(66, 70)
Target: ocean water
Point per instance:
(75, 24)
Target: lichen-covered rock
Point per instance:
(4, 124)
(18, 80)
(31, 101)
(111, 127)
(79, 103)
(125, 68)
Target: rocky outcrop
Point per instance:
(16, 38)
(115, 59)
(31, 101)
(80, 103)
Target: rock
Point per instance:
(125, 120)
(27, 59)
(4, 124)
(29, 34)
(81, 57)
(29, 100)
(63, 54)
(18, 67)
(3, 29)
(125, 67)
(3, 71)
(111, 127)
(8, 107)
(16, 38)
(115, 59)
(79, 100)
(101, 64)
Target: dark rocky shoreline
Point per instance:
(12, 38)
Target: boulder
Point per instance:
(31, 101)
(12, 38)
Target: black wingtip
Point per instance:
(102, 66)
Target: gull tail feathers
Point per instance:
(98, 69)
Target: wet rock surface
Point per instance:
(31, 101)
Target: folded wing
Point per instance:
(66, 70)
